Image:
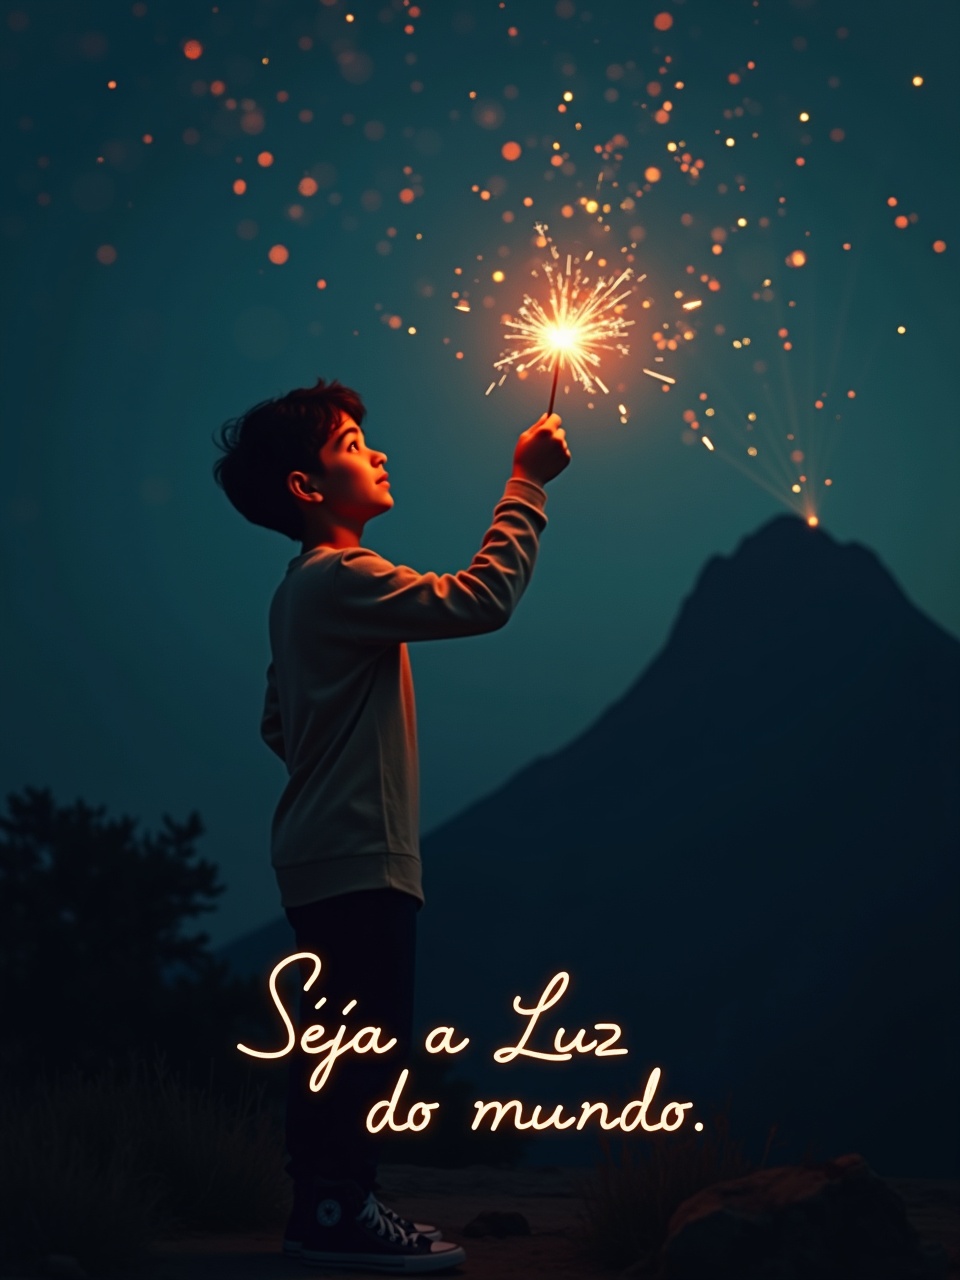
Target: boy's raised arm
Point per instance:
(383, 603)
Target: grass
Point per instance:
(97, 1165)
(629, 1199)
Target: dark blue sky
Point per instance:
(141, 309)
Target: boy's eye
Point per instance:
(353, 445)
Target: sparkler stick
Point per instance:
(553, 389)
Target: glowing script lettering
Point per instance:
(384, 1114)
(366, 1040)
(562, 1053)
(437, 1043)
(632, 1115)
(418, 1116)
(291, 1034)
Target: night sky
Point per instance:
(206, 206)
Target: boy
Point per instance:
(339, 712)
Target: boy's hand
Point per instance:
(541, 451)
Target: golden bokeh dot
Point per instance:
(279, 253)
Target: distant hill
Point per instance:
(749, 861)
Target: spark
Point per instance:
(580, 319)
(652, 373)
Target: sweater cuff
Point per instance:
(527, 491)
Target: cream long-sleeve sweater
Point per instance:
(339, 707)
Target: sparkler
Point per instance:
(580, 319)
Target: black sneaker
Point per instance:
(349, 1230)
(302, 1212)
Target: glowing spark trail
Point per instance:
(579, 320)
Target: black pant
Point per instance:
(366, 942)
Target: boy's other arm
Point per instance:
(384, 603)
(271, 730)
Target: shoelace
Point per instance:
(398, 1218)
(371, 1216)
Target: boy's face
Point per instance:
(353, 483)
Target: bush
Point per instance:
(95, 962)
(98, 1165)
(630, 1199)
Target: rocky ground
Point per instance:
(452, 1198)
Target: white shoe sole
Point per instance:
(395, 1264)
(293, 1247)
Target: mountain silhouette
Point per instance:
(749, 862)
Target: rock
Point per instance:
(63, 1266)
(493, 1223)
(832, 1221)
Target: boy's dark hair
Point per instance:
(275, 437)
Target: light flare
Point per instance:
(581, 318)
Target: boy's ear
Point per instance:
(297, 480)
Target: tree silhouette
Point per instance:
(93, 962)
